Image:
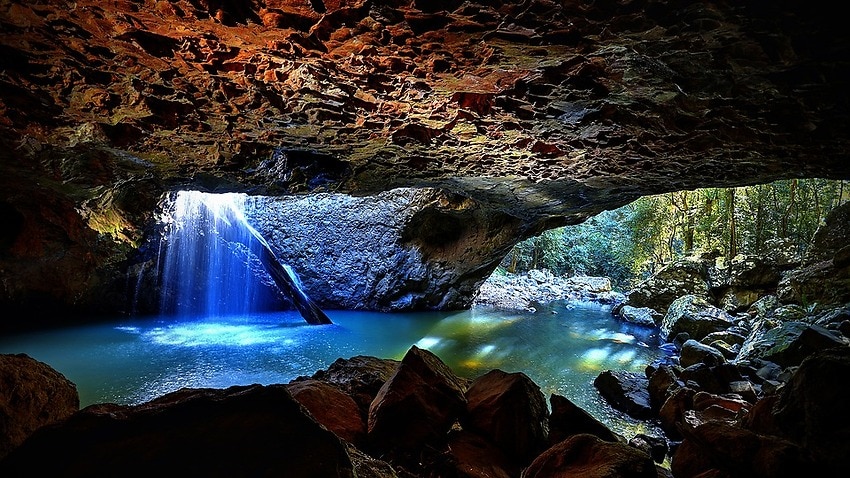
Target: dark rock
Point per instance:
(568, 419)
(360, 377)
(738, 452)
(672, 414)
(588, 456)
(625, 391)
(332, 408)
(417, 406)
(239, 431)
(662, 382)
(655, 447)
(811, 409)
(695, 316)
(472, 456)
(510, 410)
(32, 395)
(694, 352)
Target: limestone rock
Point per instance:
(640, 315)
(32, 395)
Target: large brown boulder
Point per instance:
(417, 406)
(510, 410)
(715, 445)
(239, 431)
(588, 456)
(32, 395)
(568, 419)
(360, 377)
(331, 407)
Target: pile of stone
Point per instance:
(528, 290)
(363, 416)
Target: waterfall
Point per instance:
(215, 263)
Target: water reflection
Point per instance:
(561, 348)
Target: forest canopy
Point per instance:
(631, 243)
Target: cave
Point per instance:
(392, 153)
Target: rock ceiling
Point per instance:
(547, 109)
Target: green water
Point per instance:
(561, 348)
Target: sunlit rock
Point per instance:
(695, 316)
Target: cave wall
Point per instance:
(538, 113)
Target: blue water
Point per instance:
(561, 348)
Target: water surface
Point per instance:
(561, 347)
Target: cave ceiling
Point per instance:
(548, 110)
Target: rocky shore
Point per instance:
(754, 385)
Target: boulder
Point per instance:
(331, 407)
(473, 456)
(643, 316)
(811, 409)
(360, 377)
(695, 316)
(694, 352)
(568, 419)
(32, 395)
(787, 343)
(417, 406)
(738, 452)
(239, 431)
(683, 277)
(510, 410)
(672, 414)
(655, 447)
(590, 457)
(625, 391)
(662, 382)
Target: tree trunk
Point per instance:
(732, 251)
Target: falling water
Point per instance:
(211, 266)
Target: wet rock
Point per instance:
(672, 413)
(694, 352)
(244, 430)
(643, 316)
(417, 406)
(473, 456)
(787, 343)
(510, 410)
(625, 391)
(32, 395)
(662, 382)
(588, 456)
(655, 447)
(568, 419)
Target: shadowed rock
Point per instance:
(32, 395)
(568, 419)
(239, 431)
(588, 456)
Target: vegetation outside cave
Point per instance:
(631, 243)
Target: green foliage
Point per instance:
(630, 243)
